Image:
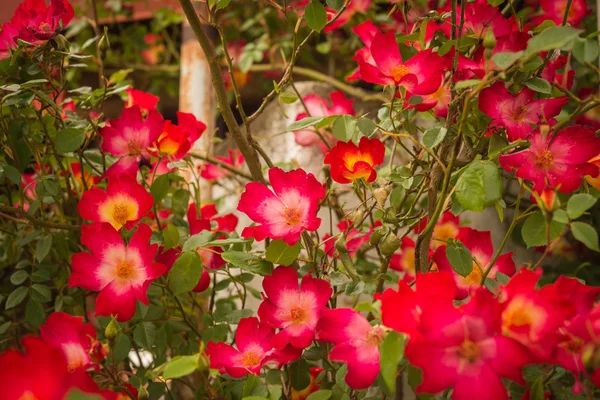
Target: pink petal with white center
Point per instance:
(126, 165)
(84, 265)
(385, 52)
(341, 325)
(363, 362)
(114, 301)
(484, 383)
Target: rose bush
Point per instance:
(122, 277)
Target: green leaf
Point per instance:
(19, 277)
(585, 50)
(479, 186)
(69, 140)
(579, 203)
(12, 174)
(119, 76)
(234, 316)
(304, 123)
(122, 347)
(537, 390)
(335, 4)
(41, 293)
(144, 334)
(557, 37)
(586, 234)
(197, 240)
(76, 394)
(186, 273)
(460, 257)
(238, 258)
(504, 60)
(300, 374)
(288, 97)
(534, 230)
(391, 354)
(434, 136)
(495, 3)
(159, 188)
(34, 313)
(180, 366)
(324, 394)
(345, 127)
(4, 327)
(366, 126)
(315, 15)
(170, 237)
(467, 83)
(282, 253)
(222, 4)
(560, 216)
(539, 85)
(16, 297)
(43, 247)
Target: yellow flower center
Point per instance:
(544, 158)
(520, 113)
(292, 216)
(469, 350)
(120, 213)
(376, 335)
(298, 315)
(124, 269)
(474, 278)
(250, 359)
(399, 72)
(133, 148)
(45, 27)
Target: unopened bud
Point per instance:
(488, 53)
(62, 42)
(357, 215)
(548, 200)
(378, 234)
(389, 244)
(381, 194)
(143, 393)
(112, 329)
(340, 244)
(489, 40)
(390, 215)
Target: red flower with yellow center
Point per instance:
(123, 203)
(121, 273)
(556, 160)
(350, 162)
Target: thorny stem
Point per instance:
(212, 58)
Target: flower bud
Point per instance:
(389, 244)
(357, 215)
(390, 215)
(489, 40)
(381, 194)
(488, 53)
(378, 234)
(112, 329)
(143, 393)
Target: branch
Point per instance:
(36, 221)
(219, 85)
(221, 164)
(319, 76)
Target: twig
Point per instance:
(212, 58)
(38, 222)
